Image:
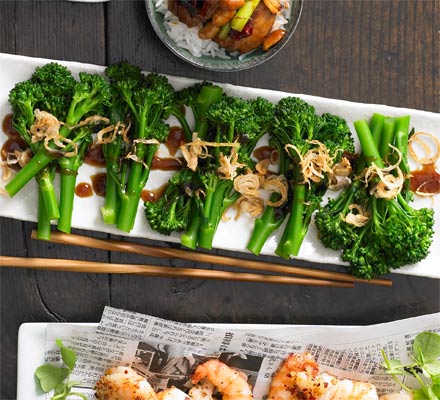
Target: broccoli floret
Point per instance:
(171, 213)
(57, 84)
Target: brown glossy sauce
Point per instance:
(166, 164)
(426, 179)
(99, 183)
(84, 189)
(152, 195)
(263, 152)
(175, 139)
(7, 127)
(95, 157)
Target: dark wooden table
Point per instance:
(368, 51)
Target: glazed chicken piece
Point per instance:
(193, 12)
(262, 21)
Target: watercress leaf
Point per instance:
(435, 379)
(68, 355)
(426, 347)
(432, 368)
(419, 394)
(431, 393)
(50, 376)
(61, 388)
(436, 390)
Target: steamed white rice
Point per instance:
(188, 38)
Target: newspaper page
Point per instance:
(167, 352)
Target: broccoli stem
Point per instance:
(136, 181)
(69, 167)
(295, 230)
(67, 194)
(264, 226)
(387, 136)
(110, 209)
(43, 223)
(369, 148)
(212, 214)
(401, 140)
(376, 125)
(190, 236)
(208, 95)
(46, 189)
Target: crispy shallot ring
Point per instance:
(17, 157)
(416, 139)
(135, 158)
(252, 205)
(247, 185)
(262, 167)
(276, 184)
(46, 127)
(421, 193)
(198, 148)
(340, 176)
(359, 219)
(315, 163)
(229, 165)
(389, 185)
(113, 130)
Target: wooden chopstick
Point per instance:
(163, 252)
(67, 265)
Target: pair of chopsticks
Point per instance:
(307, 276)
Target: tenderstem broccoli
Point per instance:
(297, 125)
(90, 95)
(49, 89)
(149, 100)
(395, 234)
(233, 120)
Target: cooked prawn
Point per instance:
(123, 383)
(203, 390)
(172, 393)
(299, 378)
(228, 381)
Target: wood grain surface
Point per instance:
(368, 51)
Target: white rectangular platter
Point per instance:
(232, 235)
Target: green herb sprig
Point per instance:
(57, 379)
(425, 367)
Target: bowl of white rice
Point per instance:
(207, 54)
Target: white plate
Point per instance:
(234, 234)
(31, 345)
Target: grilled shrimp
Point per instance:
(228, 381)
(203, 390)
(299, 378)
(123, 383)
(172, 393)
